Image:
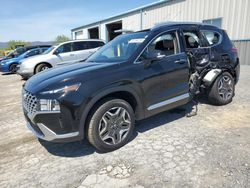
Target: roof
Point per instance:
(123, 14)
(79, 40)
(165, 24)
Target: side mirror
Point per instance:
(55, 52)
(151, 57)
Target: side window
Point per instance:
(192, 39)
(32, 53)
(166, 45)
(44, 49)
(212, 37)
(64, 48)
(95, 44)
(80, 46)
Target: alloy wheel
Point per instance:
(114, 125)
(44, 68)
(225, 87)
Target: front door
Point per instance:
(65, 54)
(165, 82)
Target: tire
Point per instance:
(41, 68)
(111, 125)
(13, 68)
(25, 78)
(222, 91)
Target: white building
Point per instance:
(231, 15)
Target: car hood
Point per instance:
(9, 60)
(60, 76)
(36, 58)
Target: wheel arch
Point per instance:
(46, 63)
(208, 82)
(125, 93)
(12, 63)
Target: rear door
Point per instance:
(81, 50)
(195, 46)
(165, 82)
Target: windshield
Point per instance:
(49, 50)
(119, 49)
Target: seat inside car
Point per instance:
(166, 47)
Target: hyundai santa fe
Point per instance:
(133, 77)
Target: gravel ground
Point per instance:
(211, 149)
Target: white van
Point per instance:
(64, 53)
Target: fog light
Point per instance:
(49, 105)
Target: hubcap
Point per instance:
(225, 87)
(44, 68)
(114, 125)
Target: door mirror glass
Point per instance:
(154, 55)
(56, 52)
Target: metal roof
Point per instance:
(123, 14)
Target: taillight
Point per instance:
(235, 51)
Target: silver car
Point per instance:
(64, 53)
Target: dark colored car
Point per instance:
(19, 51)
(133, 77)
(10, 65)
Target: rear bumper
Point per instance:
(237, 73)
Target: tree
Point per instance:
(61, 38)
(12, 44)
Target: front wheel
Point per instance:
(222, 91)
(111, 125)
(13, 68)
(42, 67)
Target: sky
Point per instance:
(43, 20)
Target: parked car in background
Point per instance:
(132, 77)
(10, 65)
(21, 50)
(64, 53)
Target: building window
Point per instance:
(216, 21)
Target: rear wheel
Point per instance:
(42, 67)
(222, 91)
(111, 125)
(13, 68)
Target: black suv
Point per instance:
(131, 78)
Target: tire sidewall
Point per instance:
(39, 67)
(214, 95)
(13, 66)
(94, 123)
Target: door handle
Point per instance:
(181, 61)
(72, 54)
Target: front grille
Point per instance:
(29, 102)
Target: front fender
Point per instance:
(90, 104)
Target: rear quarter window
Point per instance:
(213, 37)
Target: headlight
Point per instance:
(3, 62)
(48, 105)
(64, 89)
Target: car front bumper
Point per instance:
(59, 125)
(4, 68)
(27, 73)
(50, 129)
